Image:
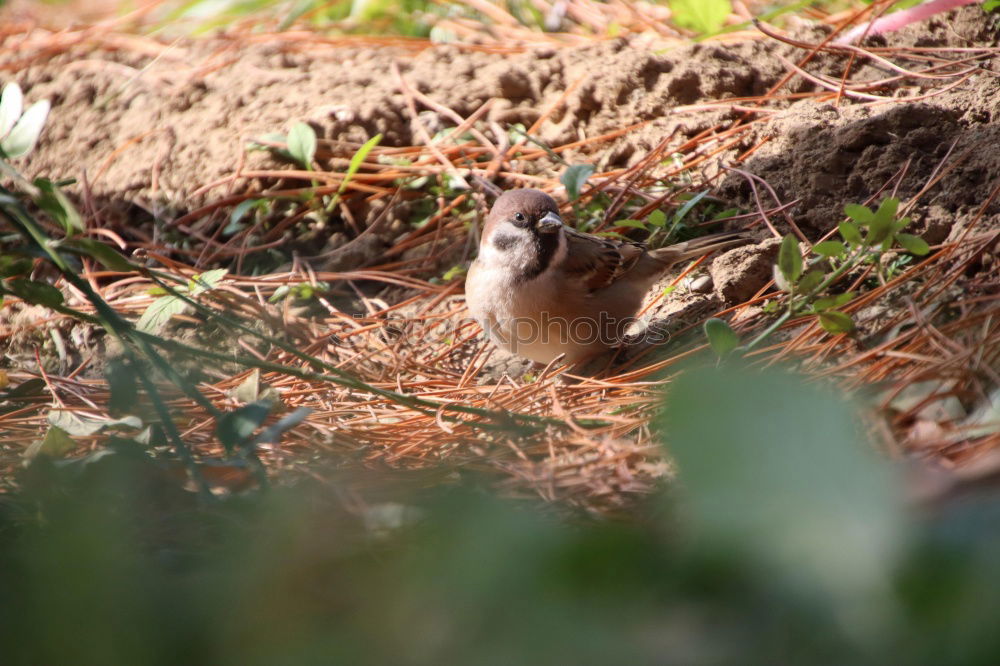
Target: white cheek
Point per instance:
(520, 255)
(489, 254)
(514, 254)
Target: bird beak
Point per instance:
(550, 223)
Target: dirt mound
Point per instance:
(945, 144)
(153, 126)
(158, 126)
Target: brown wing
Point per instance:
(598, 262)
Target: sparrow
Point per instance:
(541, 289)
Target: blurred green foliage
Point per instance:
(417, 18)
(785, 541)
(409, 18)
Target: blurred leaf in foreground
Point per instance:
(776, 470)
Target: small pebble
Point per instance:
(700, 285)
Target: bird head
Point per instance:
(522, 213)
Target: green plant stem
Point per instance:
(775, 325)
(506, 421)
(182, 450)
(335, 375)
(121, 329)
(551, 153)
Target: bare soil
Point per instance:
(156, 128)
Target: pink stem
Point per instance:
(902, 18)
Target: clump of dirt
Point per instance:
(740, 273)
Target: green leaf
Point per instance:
(453, 183)
(834, 321)
(159, 313)
(273, 432)
(702, 16)
(913, 244)
(357, 159)
(102, 253)
(235, 428)
(11, 104)
(810, 281)
(991, 5)
(244, 207)
(721, 337)
(279, 293)
(27, 389)
(880, 228)
(632, 224)
(271, 138)
(828, 302)
(879, 235)
(85, 425)
(688, 205)
(11, 265)
(860, 214)
(22, 139)
(850, 232)
(55, 444)
(657, 218)
(886, 212)
(297, 11)
(830, 249)
(900, 224)
(206, 281)
(575, 177)
(52, 200)
(302, 144)
(790, 259)
(454, 272)
(517, 132)
(38, 293)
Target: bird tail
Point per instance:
(697, 247)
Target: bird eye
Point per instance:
(519, 219)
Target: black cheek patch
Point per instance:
(503, 241)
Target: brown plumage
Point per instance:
(539, 286)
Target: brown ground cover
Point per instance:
(779, 126)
